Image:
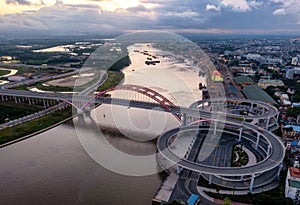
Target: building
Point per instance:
(295, 61)
(242, 70)
(296, 70)
(254, 92)
(292, 184)
(216, 76)
(291, 132)
(16, 78)
(254, 56)
(264, 83)
(289, 74)
(243, 81)
(284, 97)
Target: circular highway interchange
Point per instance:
(247, 130)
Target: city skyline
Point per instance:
(104, 17)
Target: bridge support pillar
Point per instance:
(240, 135)
(251, 108)
(215, 128)
(252, 183)
(179, 170)
(210, 179)
(279, 170)
(44, 103)
(242, 178)
(184, 120)
(268, 123)
(257, 141)
(269, 150)
(80, 111)
(277, 118)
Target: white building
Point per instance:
(295, 61)
(16, 78)
(296, 70)
(254, 56)
(292, 184)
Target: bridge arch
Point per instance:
(157, 97)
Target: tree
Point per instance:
(249, 194)
(218, 191)
(227, 201)
(233, 190)
(293, 111)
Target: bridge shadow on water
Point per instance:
(115, 137)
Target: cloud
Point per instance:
(25, 2)
(22, 2)
(279, 12)
(211, 7)
(87, 16)
(255, 4)
(291, 7)
(241, 5)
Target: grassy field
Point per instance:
(11, 110)
(18, 131)
(53, 88)
(4, 72)
(113, 79)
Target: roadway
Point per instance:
(274, 160)
(271, 111)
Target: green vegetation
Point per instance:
(293, 111)
(120, 64)
(240, 155)
(227, 201)
(40, 86)
(272, 89)
(296, 97)
(115, 76)
(23, 87)
(11, 110)
(18, 131)
(4, 72)
(113, 79)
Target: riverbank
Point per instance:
(28, 129)
(10, 110)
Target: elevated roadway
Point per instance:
(274, 160)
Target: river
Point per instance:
(54, 168)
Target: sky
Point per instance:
(103, 17)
